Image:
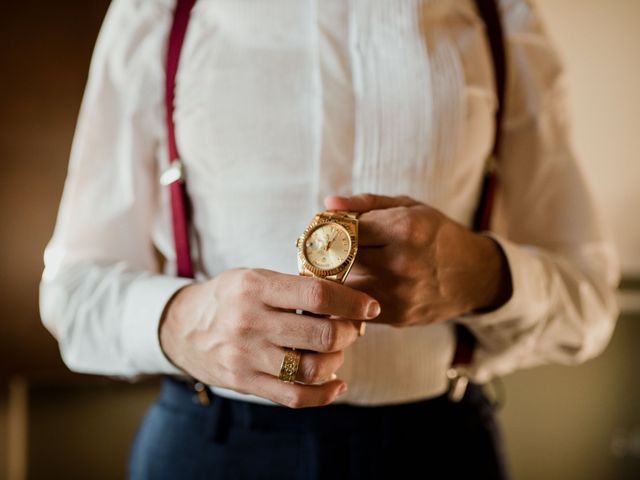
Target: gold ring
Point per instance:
(290, 365)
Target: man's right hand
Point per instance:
(233, 331)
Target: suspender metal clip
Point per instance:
(174, 173)
(201, 394)
(458, 383)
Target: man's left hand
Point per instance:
(419, 264)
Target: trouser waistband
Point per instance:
(230, 413)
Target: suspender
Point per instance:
(465, 341)
(488, 10)
(174, 178)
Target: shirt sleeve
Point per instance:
(101, 295)
(563, 265)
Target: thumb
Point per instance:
(367, 201)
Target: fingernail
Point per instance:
(342, 389)
(373, 310)
(333, 376)
(363, 329)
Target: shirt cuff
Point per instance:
(527, 280)
(144, 305)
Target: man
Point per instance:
(281, 107)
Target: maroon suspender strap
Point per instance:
(488, 11)
(179, 201)
(177, 189)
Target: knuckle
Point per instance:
(420, 234)
(318, 294)
(249, 282)
(311, 371)
(236, 360)
(328, 337)
(233, 381)
(402, 263)
(409, 228)
(368, 198)
(403, 226)
(236, 380)
(243, 324)
(410, 267)
(294, 400)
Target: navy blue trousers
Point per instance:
(181, 439)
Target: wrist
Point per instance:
(171, 323)
(493, 285)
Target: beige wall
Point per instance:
(577, 423)
(599, 41)
(580, 422)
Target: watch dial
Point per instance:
(327, 246)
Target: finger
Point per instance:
(375, 229)
(318, 296)
(375, 259)
(367, 201)
(315, 368)
(390, 264)
(394, 296)
(295, 395)
(380, 228)
(397, 226)
(373, 285)
(308, 333)
(357, 270)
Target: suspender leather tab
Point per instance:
(458, 383)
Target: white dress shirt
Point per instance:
(279, 103)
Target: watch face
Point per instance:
(327, 246)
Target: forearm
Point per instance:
(562, 310)
(106, 315)
(487, 284)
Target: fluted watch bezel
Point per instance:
(346, 220)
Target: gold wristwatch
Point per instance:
(328, 246)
